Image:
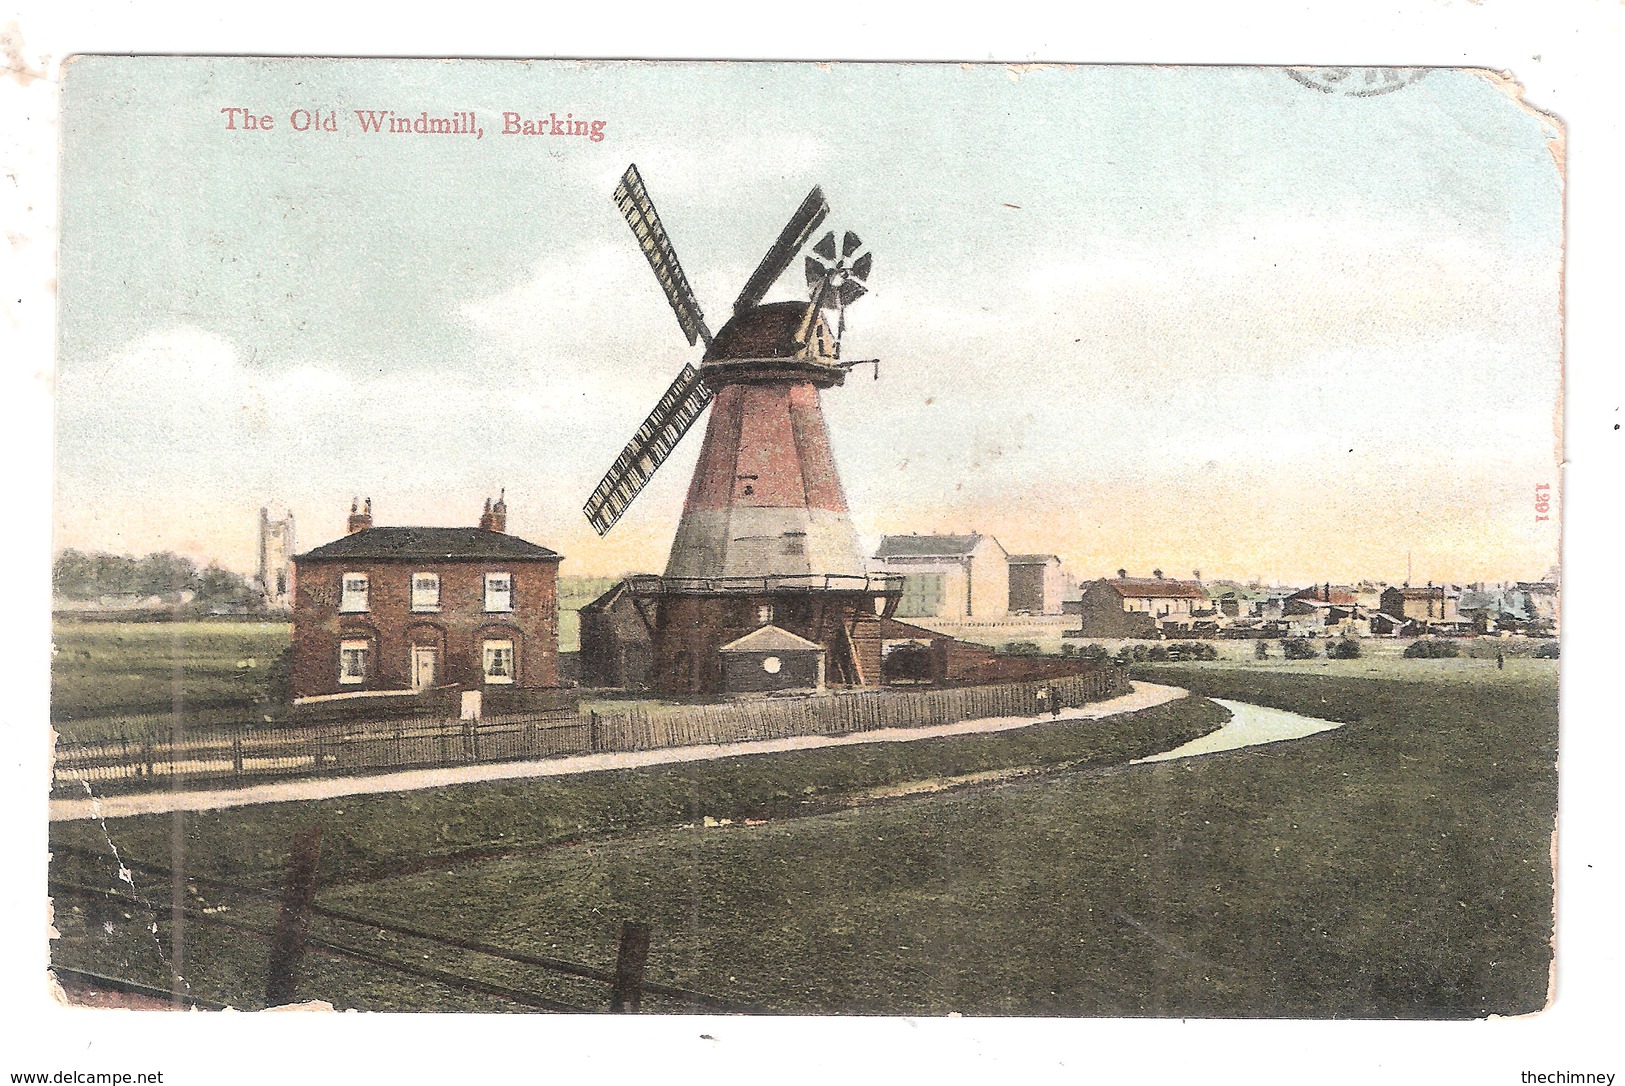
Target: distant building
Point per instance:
(1127, 606)
(1326, 608)
(947, 576)
(1036, 584)
(1539, 600)
(1233, 600)
(1430, 604)
(273, 574)
(1386, 625)
(403, 611)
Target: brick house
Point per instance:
(1431, 604)
(435, 613)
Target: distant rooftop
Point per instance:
(1156, 588)
(927, 546)
(1033, 559)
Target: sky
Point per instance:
(1182, 318)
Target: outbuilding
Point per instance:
(770, 659)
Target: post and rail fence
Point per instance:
(295, 924)
(228, 756)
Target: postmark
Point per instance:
(1356, 82)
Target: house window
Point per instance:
(425, 591)
(352, 662)
(499, 592)
(499, 662)
(353, 595)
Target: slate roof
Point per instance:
(771, 639)
(1435, 592)
(926, 546)
(1140, 588)
(1342, 597)
(431, 545)
(1032, 559)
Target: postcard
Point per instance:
(806, 539)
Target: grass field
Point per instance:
(1396, 867)
(102, 671)
(1045, 632)
(443, 835)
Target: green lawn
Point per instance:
(1396, 867)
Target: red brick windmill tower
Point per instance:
(765, 537)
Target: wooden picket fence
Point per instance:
(228, 756)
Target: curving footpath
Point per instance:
(1143, 696)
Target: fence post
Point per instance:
(293, 921)
(627, 995)
(237, 760)
(592, 731)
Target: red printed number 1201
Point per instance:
(1543, 501)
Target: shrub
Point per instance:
(1141, 653)
(1125, 656)
(1095, 654)
(1190, 650)
(1298, 648)
(1344, 648)
(1022, 648)
(1261, 649)
(1429, 648)
(278, 681)
(1069, 649)
(1158, 653)
(1548, 651)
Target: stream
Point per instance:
(1249, 726)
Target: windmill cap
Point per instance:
(764, 332)
(761, 345)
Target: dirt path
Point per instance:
(1143, 696)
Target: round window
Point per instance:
(772, 664)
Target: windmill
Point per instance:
(765, 536)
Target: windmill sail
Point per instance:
(650, 446)
(633, 200)
(790, 240)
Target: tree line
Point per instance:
(82, 575)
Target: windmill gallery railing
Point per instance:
(229, 756)
(888, 584)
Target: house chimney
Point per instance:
(1196, 573)
(1122, 575)
(360, 522)
(1157, 573)
(1328, 592)
(499, 512)
(485, 517)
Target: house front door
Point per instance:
(424, 666)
